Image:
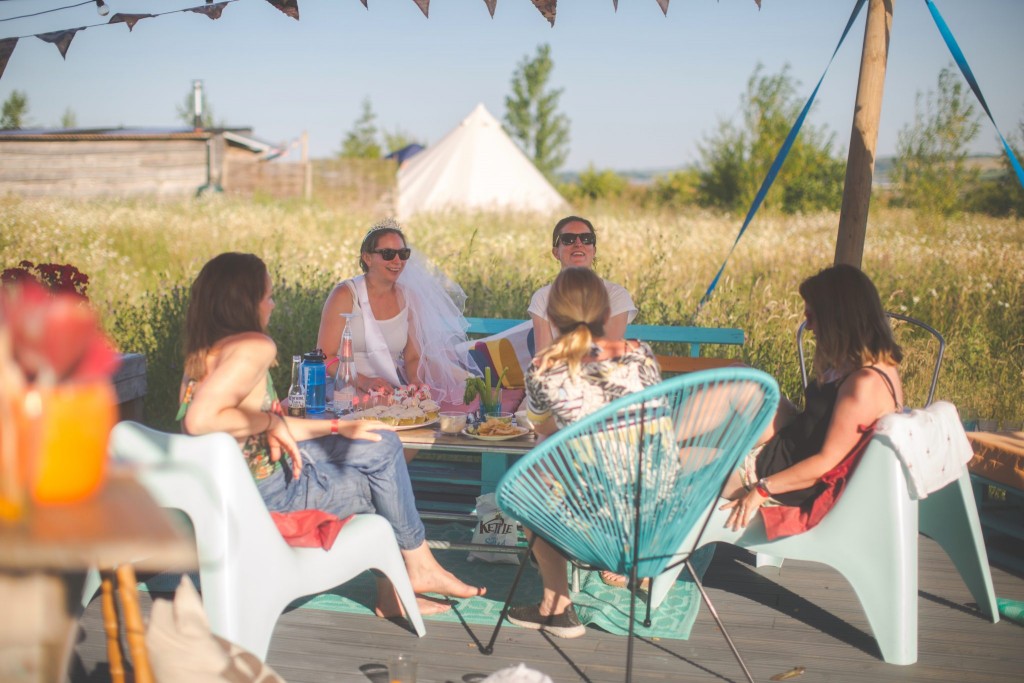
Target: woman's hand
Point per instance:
(280, 438)
(743, 509)
(366, 430)
(368, 384)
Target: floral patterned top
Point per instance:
(553, 392)
(256, 448)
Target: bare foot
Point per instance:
(390, 607)
(443, 582)
(427, 576)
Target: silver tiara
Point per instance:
(386, 224)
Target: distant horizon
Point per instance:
(642, 91)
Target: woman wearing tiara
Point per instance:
(408, 323)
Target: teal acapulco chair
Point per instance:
(623, 488)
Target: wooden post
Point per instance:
(860, 164)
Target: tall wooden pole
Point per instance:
(860, 164)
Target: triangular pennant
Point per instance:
(130, 19)
(62, 39)
(213, 11)
(758, 3)
(491, 4)
(424, 6)
(289, 7)
(7, 46)
(663, 4)
(547, 9)
(615, 4)
(364, 4)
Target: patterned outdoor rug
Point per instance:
(597, 604)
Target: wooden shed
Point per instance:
(126, 162)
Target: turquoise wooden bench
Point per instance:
(493, 465)
(694, 337)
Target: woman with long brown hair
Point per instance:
(581, 371)
(341, 467)
(856, 381)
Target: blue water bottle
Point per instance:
(314, 380)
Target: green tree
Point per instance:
(361, 141)
(186, 111)
(15, 111)
(675, 189)
(397, 139)
(736, 158)
(69, 119)
(930, 170)
(1003, 194)
(531, 113)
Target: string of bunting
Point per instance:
(62, 39)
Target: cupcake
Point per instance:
(430, 408)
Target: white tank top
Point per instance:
(395, 331)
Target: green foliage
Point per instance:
(1003, 195)
(69, 119)
(930, 171)
(676, 189)
(595, 184)
(531, 113)
(399, 139)
(736, 157)
(361, 141)
(15, 111)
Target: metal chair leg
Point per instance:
(489, 648)
(714, 613)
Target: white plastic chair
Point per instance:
(249, 574)
(870, 537)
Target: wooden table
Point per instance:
(43, 562)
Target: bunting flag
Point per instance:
(7, 46)
(130, 19)
(663, 4)
(547, 9)
(424, 6)
(364, 4)
(62, 39)
(491, 4)
(213, 11)
(615, 4)
(289, 7)
(758, 3)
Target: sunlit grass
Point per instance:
(962, 275)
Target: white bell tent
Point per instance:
(476, 166)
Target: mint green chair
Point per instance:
(622, 488)
(871, 538)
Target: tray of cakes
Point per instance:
(405, 407)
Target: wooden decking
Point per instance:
(806, 615)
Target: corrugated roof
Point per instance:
(241, 137)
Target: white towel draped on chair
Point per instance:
(930, 444)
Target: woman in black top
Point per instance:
(855, 382)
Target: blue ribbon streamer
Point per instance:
(965, 69)
(780, 157)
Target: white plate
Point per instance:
(402, 428)
(522, 432)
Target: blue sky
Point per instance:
(641, 89)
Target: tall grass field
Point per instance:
(962, 275)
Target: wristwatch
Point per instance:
(762, 488)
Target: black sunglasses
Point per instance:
(390, 254)
(569, 238)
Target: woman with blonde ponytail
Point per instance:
(581, 371)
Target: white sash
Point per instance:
(377, 352)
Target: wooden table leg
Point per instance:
(134, 628)
(110, 626)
